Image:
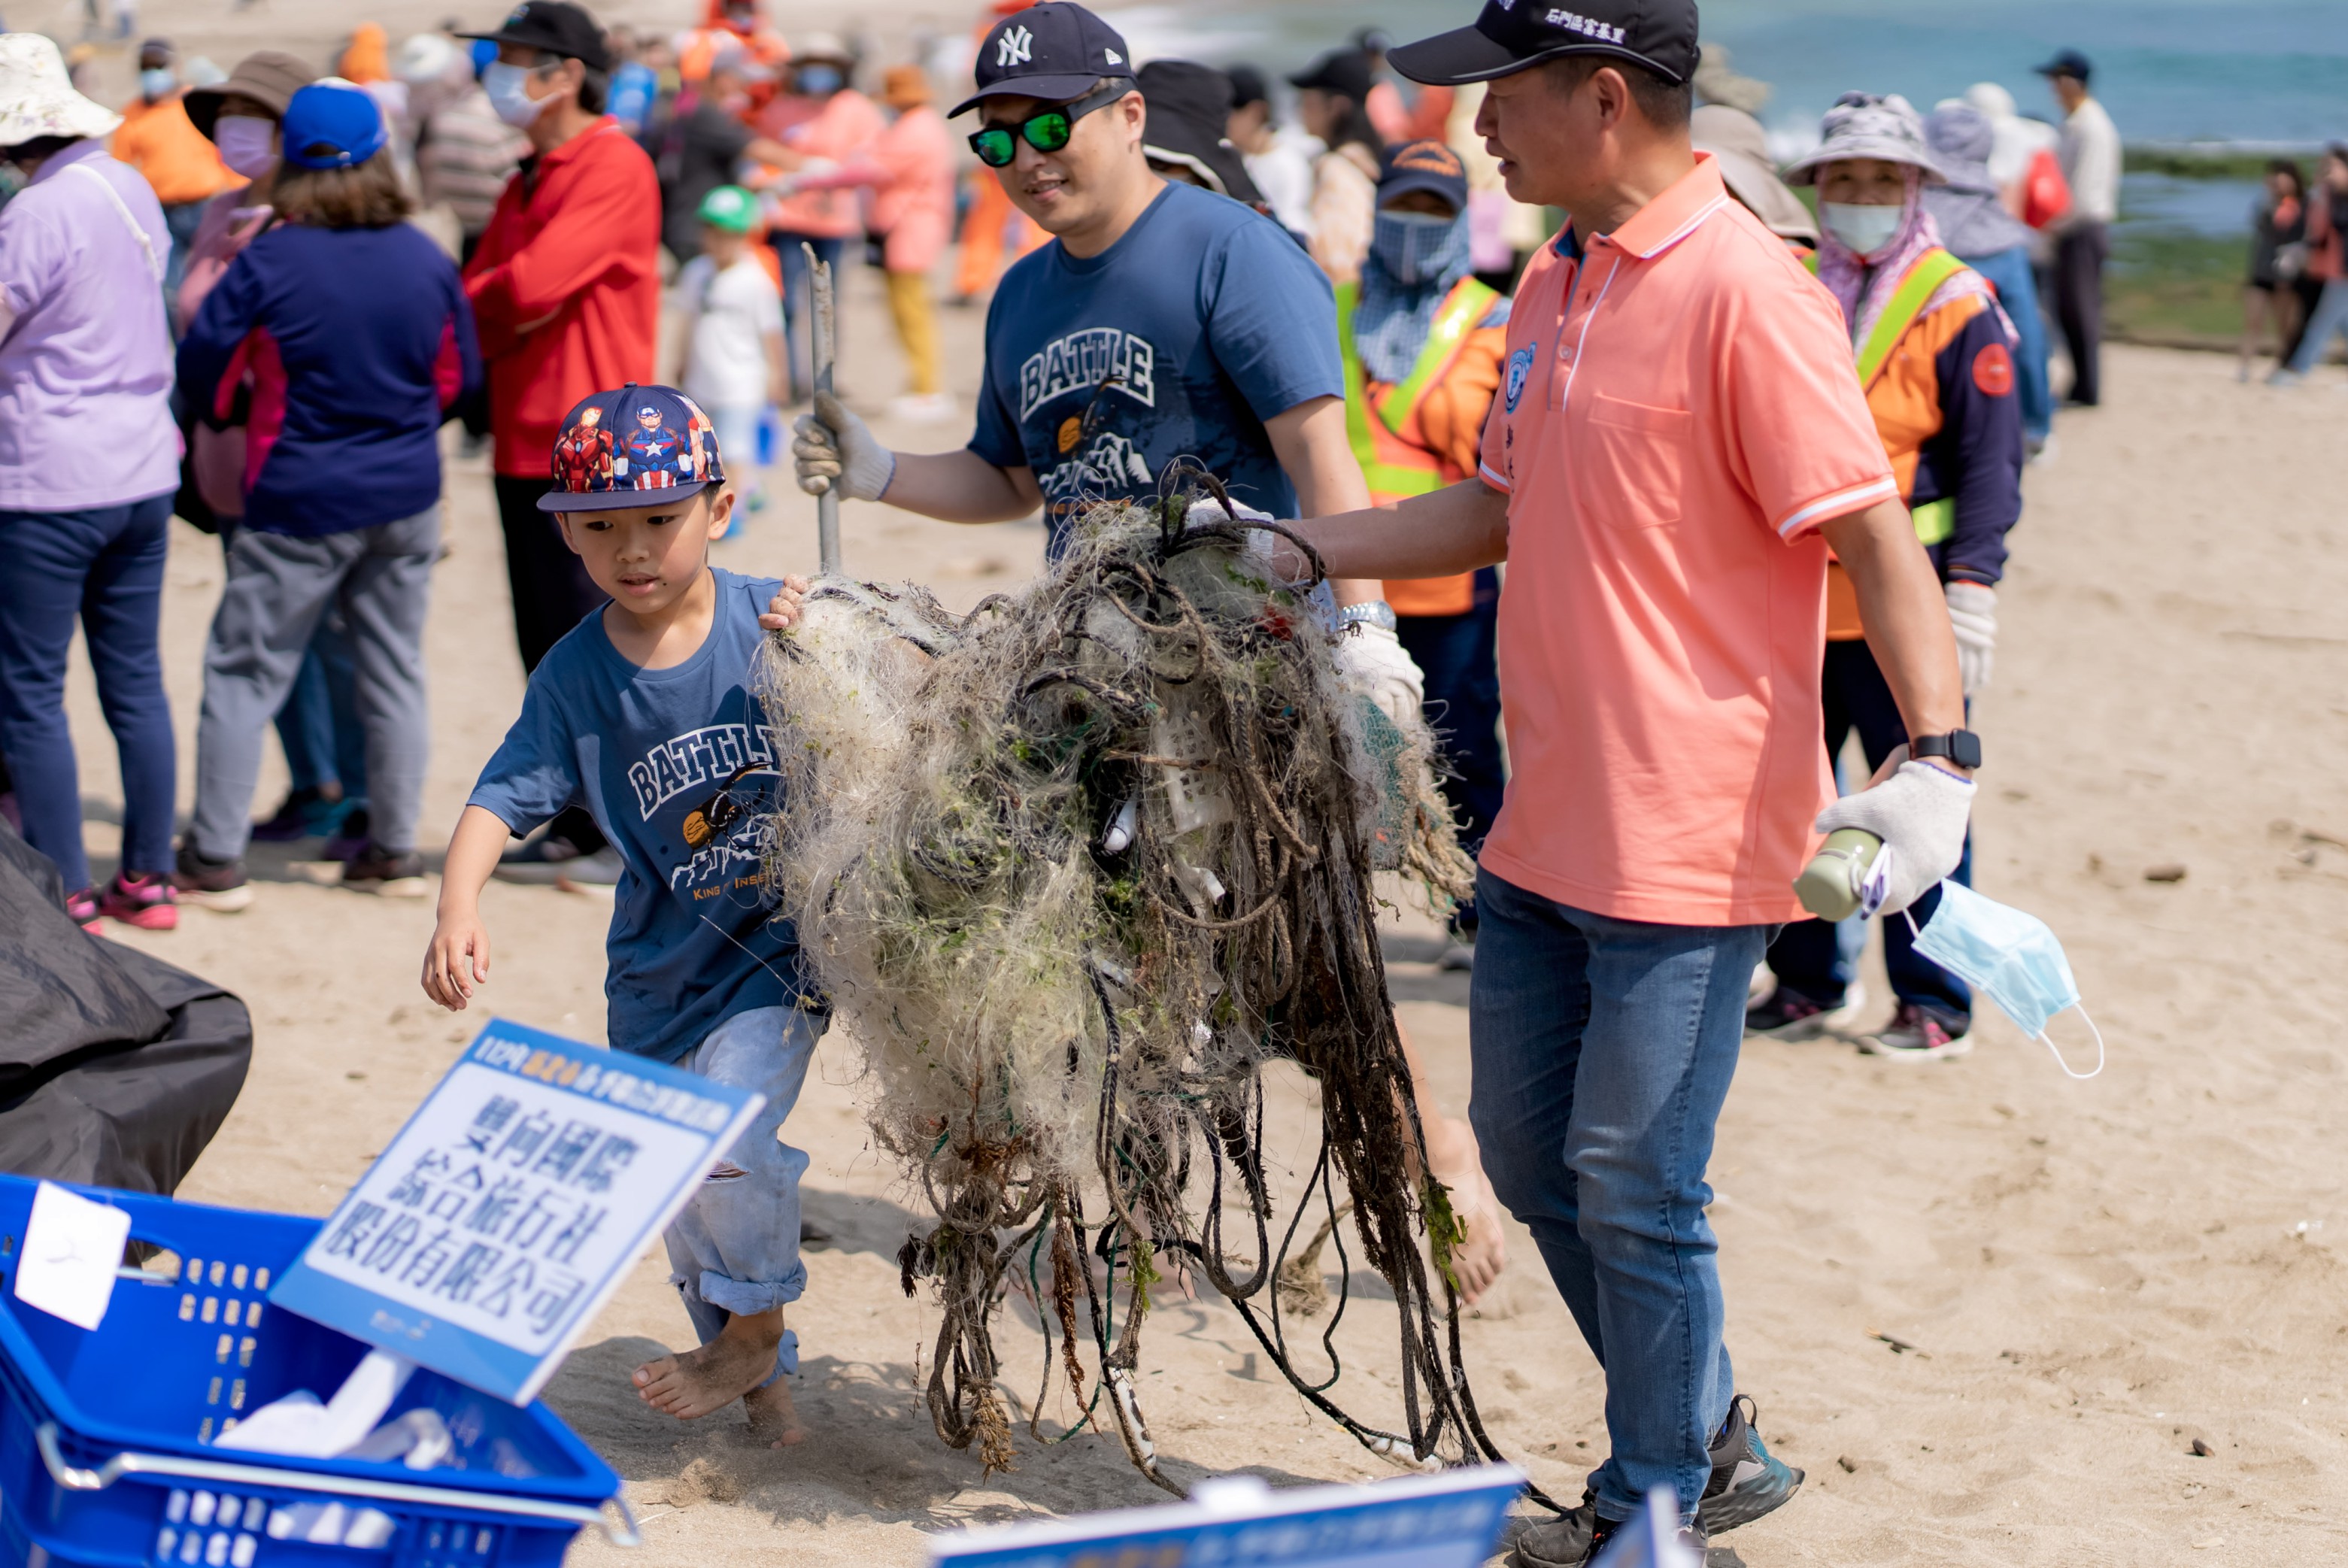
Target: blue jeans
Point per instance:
(1805, 957)
(319, 724)
(106, 566)
(1602, 1049)
(2330, 319)
(2009, 272)
(798, 297)
(735, 1247)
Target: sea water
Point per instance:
(2263, 74)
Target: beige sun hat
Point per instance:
(37, 98)
(1741, 148)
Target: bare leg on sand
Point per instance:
(1458, 1164)
(731, 1366)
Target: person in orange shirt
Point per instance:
(1678, 442)
(994, 232)
(1424, 342)
(158, 139)
(826, 122)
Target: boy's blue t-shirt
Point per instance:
(677, 767)
(1204, 320)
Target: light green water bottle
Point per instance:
(1831, 886)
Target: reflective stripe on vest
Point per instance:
(1935, 521)
(1393, 465)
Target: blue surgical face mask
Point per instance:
(508, 91)
(2009, 956)
(1416, 247)
(819, 82)
(155, 84)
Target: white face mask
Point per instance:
(509, 94)
(1865, 230)
(247, 143)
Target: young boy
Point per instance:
(644, 716)
(732, 355)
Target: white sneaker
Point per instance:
(922, 407)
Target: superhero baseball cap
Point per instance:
(332, 124)
(647, 445)
(1056, 52)
(551, 27)
(1511, 35)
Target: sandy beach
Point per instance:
(1989, 1309)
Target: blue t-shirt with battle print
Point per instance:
(1204, 320)
(677, 768)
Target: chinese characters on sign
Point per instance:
(512, 1201)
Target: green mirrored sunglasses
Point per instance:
(1046, 131)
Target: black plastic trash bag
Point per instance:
(116, 1068)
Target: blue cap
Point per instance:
(637, 446)
(1429, 166)
(1055, 52)
(332, 124)
(2067, 62)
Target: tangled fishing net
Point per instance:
(1072, 869)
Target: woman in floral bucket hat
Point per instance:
(1935, 354)
(89, 459)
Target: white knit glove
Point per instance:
(833, 446)
(1920, 812)
(1373, 660)
(1973, 616)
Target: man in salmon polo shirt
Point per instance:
(1677, 443)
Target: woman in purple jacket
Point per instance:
(357, 333)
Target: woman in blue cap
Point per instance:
(361, 321)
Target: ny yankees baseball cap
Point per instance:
(1055, 51)
(1511, 35)
(634, 445)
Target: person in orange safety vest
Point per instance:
(1424, 343)
(1935, 355)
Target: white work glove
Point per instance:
(1973, 616)
(1373, 662)
(1920, 812)
(833, 447)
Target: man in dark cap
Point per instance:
(1162, 320)
(2090, 155)
(1677, 442)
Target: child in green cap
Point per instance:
(732, 343)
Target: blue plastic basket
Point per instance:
(105, 1452)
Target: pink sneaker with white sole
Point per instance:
(146, 902)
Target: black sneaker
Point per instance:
(1788, 1015)
(1748, 1480)
(378, 871)
(210, 884)
(1579, 1539)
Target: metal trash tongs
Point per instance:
(827, 505)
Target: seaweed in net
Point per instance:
(1072, 869)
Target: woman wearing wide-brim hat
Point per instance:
(1935, 355)
(89, 459)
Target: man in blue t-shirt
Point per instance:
(644, 716)
(1162, 322)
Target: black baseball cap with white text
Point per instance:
(1511, 35)
(1055, 51)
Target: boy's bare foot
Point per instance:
(772, 1417)
(691, 1386)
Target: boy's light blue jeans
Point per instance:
(1602, 1051)
(735, 1248)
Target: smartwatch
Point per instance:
(1961, 747)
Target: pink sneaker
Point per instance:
(146, 902)
(81, 908)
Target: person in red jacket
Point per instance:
(566, 288)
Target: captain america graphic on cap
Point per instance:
(634, 438)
